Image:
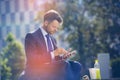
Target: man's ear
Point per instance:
(45, 23)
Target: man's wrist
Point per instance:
(55, 53)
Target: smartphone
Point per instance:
(69, 54)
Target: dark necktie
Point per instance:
(49, 43)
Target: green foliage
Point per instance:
(5, 70)
(82, 33)
(13, 59)
(115, 64)
(10, 37)
(106, 13)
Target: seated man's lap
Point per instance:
(59, 70)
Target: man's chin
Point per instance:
(52, 33)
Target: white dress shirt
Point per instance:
(44, 35)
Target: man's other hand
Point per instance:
(60, 51)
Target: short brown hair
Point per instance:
(53, 15)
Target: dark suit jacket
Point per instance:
(36, 49)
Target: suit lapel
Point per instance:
(41, 39)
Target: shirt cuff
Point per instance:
(52, 55)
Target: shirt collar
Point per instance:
(43, 31)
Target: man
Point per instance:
(43, 56)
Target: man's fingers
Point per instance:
(70, 49)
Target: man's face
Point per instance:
(51, 27)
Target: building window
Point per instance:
(18, 31)
(8, 29)
(0, 32)
(27, 29)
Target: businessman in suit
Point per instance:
(43, 56)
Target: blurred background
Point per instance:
(91, 27)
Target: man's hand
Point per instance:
(60, 51)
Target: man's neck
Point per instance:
(43, 27)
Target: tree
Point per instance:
(5, 73)
(13, 57)
(80, 33)
(108, 11)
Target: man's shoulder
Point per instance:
(33, 32)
